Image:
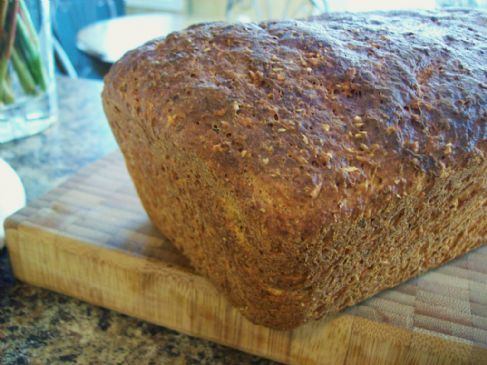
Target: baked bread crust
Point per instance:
(304, 166)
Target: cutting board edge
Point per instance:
(357, 330)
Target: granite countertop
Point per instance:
(41, 327)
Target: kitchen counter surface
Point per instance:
(41, 327)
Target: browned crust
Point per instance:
(296, 162)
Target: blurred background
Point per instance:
(89, 35)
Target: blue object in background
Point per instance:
(68, 17)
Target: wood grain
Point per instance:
(90, 238)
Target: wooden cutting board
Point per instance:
(91, 239)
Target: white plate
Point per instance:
(110, 39)
(12, 194)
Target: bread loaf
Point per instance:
(304, 166)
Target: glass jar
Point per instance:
(28, 102)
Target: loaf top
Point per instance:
(323, 117)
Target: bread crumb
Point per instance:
(265, 160)
(243, 153)
(350, 169)
(391, 129)
(316, 190)
(171, 119)
(357, 120)
(415, 104)
(325, 127)
(274, 291)
(314, 61)
(364, 147)
(415, 146)
(302, 160)
(443, 171)
(365, 185)
(448, 149)
(276, 173)
(268, 147)
(326, 157)
(365, 159)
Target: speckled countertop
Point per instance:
(42, 327)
